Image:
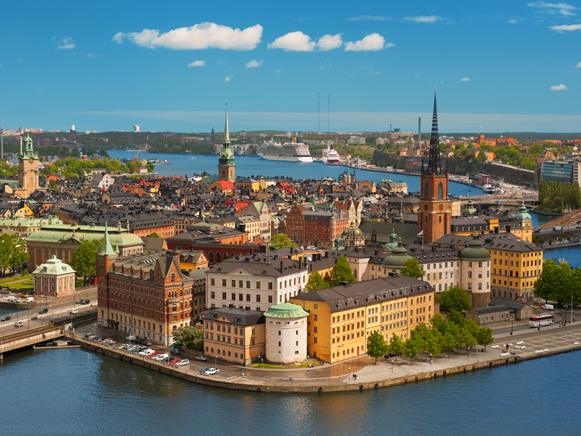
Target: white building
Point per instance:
(286, 333)
(54, 278)
(256, 282)
(136, 128)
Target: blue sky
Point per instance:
(508, 66)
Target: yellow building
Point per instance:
(341, 317)
(248, 183)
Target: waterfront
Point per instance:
(79, 392)
(246, 166)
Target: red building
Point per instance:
(316, 228)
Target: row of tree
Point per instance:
(12, 252)
(341, 272)
(558, 197)
(444, 334)
(559, 283)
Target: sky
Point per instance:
(170, 66)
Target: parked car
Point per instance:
(43, 311)
(74, 312)
(161, 357)
(201, 358)
(175, 352)
(152, 355)
(146, 352)
(173, 361)
(80, 301)
(182, 362)
(210, 371)
(6, 318)
(547, 306)
(85, 301)
(18, 324)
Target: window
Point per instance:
(248, 284)
(247, 297)
(257, 285)
(223, 295)
(212, 282)
(233, 283)
(269, 285)
(258, 298)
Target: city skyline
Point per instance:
(509, 67)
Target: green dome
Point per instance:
(475, 251)
(523, 214)
(470, 209)
(397, 257)
(286, 310)
(393, 241)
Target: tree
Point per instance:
(376, 346)
(103, 153)
(53, 186)
(281, 241)
(153, 235)
(150, 167)
(412, 347)
(315, 282)
(454, 298)
(484, 337)
(396, 345)
(481, 157)
(12, 252)
(466, 339)
(412, 268)
(83, 261)
(342, 272)
(190, 337)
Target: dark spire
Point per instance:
(434, 163)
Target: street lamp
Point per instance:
(511, 323)
(215, 361)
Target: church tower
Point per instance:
(104, 260)
(226, 166)
(435, 214)
(27, 170)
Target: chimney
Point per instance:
(301, 262)
(326, 254)
(496, 229)
(281, 266)
(507, 229)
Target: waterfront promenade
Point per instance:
(361, 373)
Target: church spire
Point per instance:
(434, 163)
(226, 130)
(106, 248)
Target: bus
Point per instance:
(541, 320)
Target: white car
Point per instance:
(74, 312)
(146, 352)
(210, 371)
(201, 358)
(18, 324)
(182, 362)
(160, 357)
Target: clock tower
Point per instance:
(435, 214)
(27, 170)
(226, 166)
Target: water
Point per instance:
(76, 392)
(181, 165)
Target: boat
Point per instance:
(193, 158)
(489, 189)
(330, 156)
(290, 151)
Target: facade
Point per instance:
(27, 225)
(315, 228)
(435, 214)
(251, 225)
(286, 334)
(561, 171)
(234, 335)
(226, 166)
(62, 240)
(475, 272)
(256, 282)
(145, 295)
(54, 279)
(342, 317)
(198, 293)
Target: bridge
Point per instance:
(27, 338)
(569, 220)
(508, 200)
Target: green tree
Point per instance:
(376, 346)
(150, 167)
(104, 154)
(395, 345)
(153, 235)
(412, 268)
(190, 337)
(83, 260)
(315, 282)
(12, 252)
(454, 298)
(481, 157)
(341, 272)
(466, 339)
(412, 347)
(53, 186)
(281, 241)
(484, 337)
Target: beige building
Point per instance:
(286, 333)
(54, 278)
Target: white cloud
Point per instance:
(566, 28)
(294, 41)
(513, 21)
(227, 79)
(578, 65)
(197, 64)
(368, 18)
(560, 87)
(555, 8)
(329, 42)
(198, 37)
(1, 65)
(423, 19)
(277, 72)
(65, 43)
(465, 79)
(370, 43)
(254, 64)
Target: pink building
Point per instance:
(54, 278)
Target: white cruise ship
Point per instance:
(291, 151)
(330, 156)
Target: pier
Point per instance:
(28, 338)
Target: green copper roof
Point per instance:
(286, 310)
(475, 250)
(54, 266)
(397, 257)
(226, 131)
(106, 248)
(57, 233)
(523, 213)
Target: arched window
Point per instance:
(173, 277)
(440, 219)
(223, 173)
(211, 256)
(427, 191)
(440, 191)
(218, 259)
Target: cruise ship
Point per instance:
(330, 156)
(291, 151)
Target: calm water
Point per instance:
(181, 165)
(75, 392)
